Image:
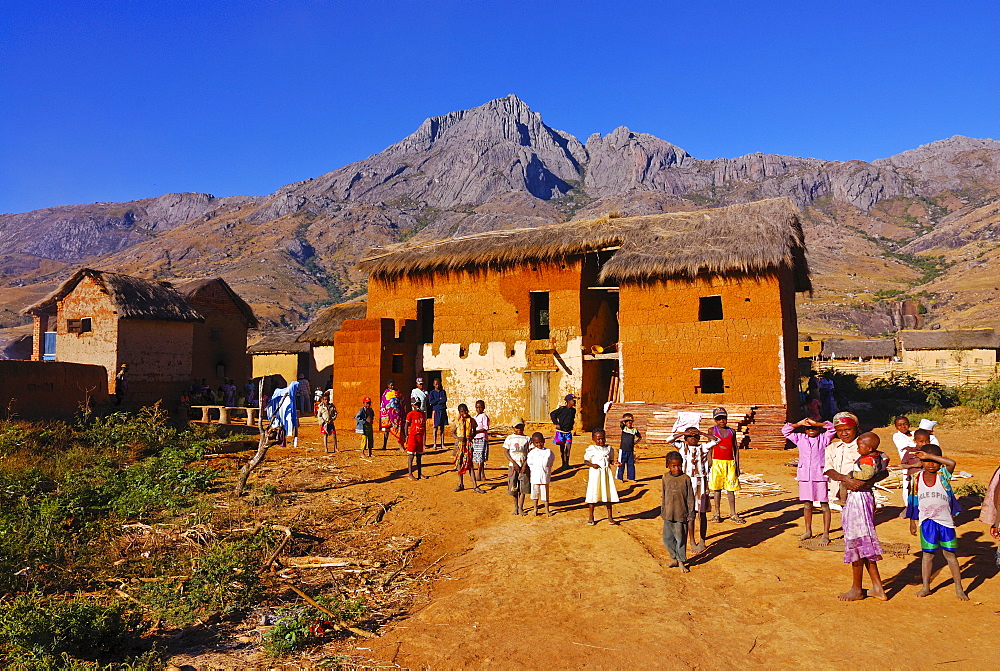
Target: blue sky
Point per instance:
(111, 101)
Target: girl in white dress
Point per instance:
(599, 458)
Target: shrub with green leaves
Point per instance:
(300, 625)
(31, 624)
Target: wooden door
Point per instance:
(538, 409)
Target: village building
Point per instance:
(108, 319)
(866, 358)
(688, 309)
(953, 357)
(281, 353)
(320, 335)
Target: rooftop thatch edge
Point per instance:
(329, 320)
(843, 348)
(957, 339)
(279, 342)
(188, 287)
(134, 297)
(748, 238)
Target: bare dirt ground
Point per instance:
(535, 592)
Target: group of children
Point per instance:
(836, 467)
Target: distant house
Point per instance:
(687, 308)
(960, 356)
(280, 353)
(320, 335)
(809, 348)
(854, 350)
(108, 319)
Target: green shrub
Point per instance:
(300, 625)
(80, 627)
(975, 489)
(985, 399)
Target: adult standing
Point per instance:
(826, 399)
(390, 414)
(229, 393)
(121, 383)
(418, 397)
(842, 452)
(304, 395)
(564, 418)
(437, 399)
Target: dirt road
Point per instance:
(527, 592)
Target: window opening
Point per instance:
(397, 364)
(711, 381)
(539, 315)
(709, 308)
(215, 335)
(84, 325)
(49, 346)
(425, 315)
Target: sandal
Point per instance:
(478, 490)
(459, 488)
(717, 518)
(737, 519)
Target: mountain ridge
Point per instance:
(499, 165)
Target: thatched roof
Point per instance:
(329, 320)
(133, 297)
(189, 288)
(950, 340)
(279, 342)
(882, 348)
(749, 238)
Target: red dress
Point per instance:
(415, 437)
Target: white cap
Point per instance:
(927, 424)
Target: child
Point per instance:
(539, 462)
(626, 448)
(364, 422)
(906, 446)
(416, 426)
(725, 466)
(813, 485)
(481, 440)
(464, 430)
(937, 507)
(697, 461)
(564, 418)
(437, 398)
(677, 510)
(862, 549)
(325, 414)
(989, 514)
(515, 446)
(599, 458)
(921, 440)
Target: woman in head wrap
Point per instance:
(391, 415)
(841, 453)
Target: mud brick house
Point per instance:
(108, 319)
(681, 309)
(280, 353)
(959, 356)
(320, 334)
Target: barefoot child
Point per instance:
(464, 430)
(599, 458)
(364, 422)
(905, 441)
(626, 448)
(416, 431)
(937, 507)
(697, 459)
(725, 473)
(677, 510)
(539, 462)
(325, 414)
(862, 549)
(481, 440)
(814, 487)
(515, 447)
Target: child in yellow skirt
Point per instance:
(725, 474)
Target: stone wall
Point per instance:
(49, 389)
